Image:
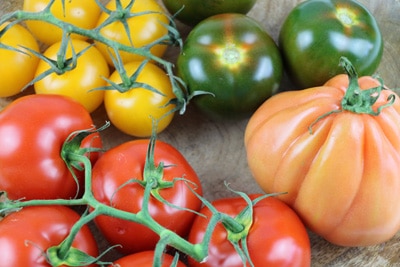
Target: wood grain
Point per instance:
(216, 150)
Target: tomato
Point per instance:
(144, 29)
(277, 236)
(15, 63)
(27, 234)
(144, 259)
(83, 14)
(33, 129)
(232, 57)
(192, 12)
(133, 111)
(317, 33)
(124, 162)
(78, 83)
(340, 166)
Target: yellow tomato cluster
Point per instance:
(83, 68)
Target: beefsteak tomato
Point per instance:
(33, 129)
(233, 58)
(335, 150)
(277, 236)
(26, 235)
(316, 33)
(113, 184)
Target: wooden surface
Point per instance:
(216, 150)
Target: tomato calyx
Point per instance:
(357, 100)
(72, 146)
(361, 101)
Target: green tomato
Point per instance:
(317, 33)
(232, 57)
(192, 12)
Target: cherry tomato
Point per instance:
(124, 162)
(33, 129)
(144, 259)
(80, 82)
(133, 111)
(83, 14)
(27, 234)
(232, 57)
(277, 236)
(192, 12)
(317, 33)
(144, 29)
(16, 64)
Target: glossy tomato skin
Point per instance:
(144, 259)
(195, 11)
(276, 238)
(232, 57)
(342, 179)
(126, 161)
(79, 83)
(317, 33)
(83, 14)
(25, 235)
(144, 29)
(14, 63)
(33, 129)
(146, 105)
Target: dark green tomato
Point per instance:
(195, 11)
(317, 33)
(235, 59)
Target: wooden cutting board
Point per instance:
(216, 150)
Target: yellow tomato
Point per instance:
(78, 83)
(81, 13)
(132, 111)
(144, 29)
(17, 69)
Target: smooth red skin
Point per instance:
(144, 259)
(276, 238)
(33, 129)
(26, 234)
(126, 162)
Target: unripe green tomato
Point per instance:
(232, 57)
(192, 12)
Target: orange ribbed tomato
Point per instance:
(336, 150)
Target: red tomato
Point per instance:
(277, 236)
(33, 129)
(144, 259)
(125, 162)
(25, 235)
